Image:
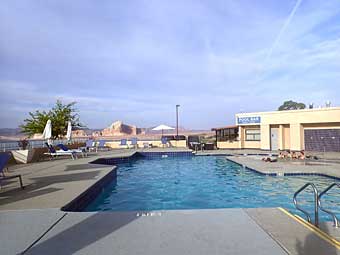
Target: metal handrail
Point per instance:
(316, 205)
(335, 219)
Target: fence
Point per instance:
(14, 145)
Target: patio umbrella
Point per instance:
(47, 134)
(69, 131)
(162, 127)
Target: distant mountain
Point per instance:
(10, 132)
(89, 131)
(119, 128)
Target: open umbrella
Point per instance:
(47, 134)
(69, 131)
(162, 127)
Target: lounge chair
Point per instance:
(89, 146)
(194, 142)
(146, 145)
(123, 142)
(164, 141)
(4, 158)
(134, 142)
(64, 148)
(101, 145)
(53, 153)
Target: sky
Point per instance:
(135, 60)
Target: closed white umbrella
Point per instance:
(69, 131)
(162, 127)
(47, 134)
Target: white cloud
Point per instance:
(136, 60)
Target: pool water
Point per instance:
(201, 183)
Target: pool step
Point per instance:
(295, 235)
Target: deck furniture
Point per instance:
(89, 146)
(165, 141)
(134, 142)
(54, 154)
(75, 151)
(123, 142)
(101, 145)
(4, 158)
(194, 142)
(207, 146)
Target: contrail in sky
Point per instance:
(279, 36)
(283, 29)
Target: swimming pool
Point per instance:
(201, 183)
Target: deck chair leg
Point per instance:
(21, 183)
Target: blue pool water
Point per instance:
(203, 182)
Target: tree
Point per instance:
(59, 115)
(291, 105)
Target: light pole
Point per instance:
(177, 106)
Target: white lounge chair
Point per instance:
(53, 153)
(76, 151)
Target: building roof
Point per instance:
(226, 127)
(322, 109)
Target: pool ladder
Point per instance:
(335, 219)
(317, 203)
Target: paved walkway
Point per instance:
(219, 231)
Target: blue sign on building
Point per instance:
(249, 120)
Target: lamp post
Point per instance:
(177, 106)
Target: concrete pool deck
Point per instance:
(31, 220)
(280, 168)
(219, 231)
(50, 184)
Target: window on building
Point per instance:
(253, 135)
(228, 134)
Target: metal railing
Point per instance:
(335, 219)
(14, 145)
(316, 203)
